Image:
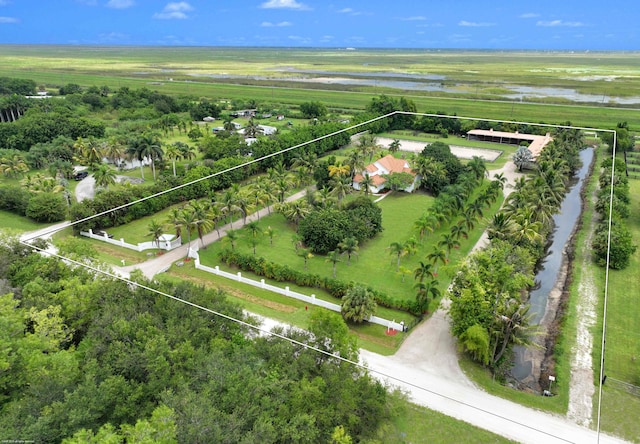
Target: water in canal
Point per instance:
(547, 275)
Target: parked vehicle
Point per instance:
(80, 175)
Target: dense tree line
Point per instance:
(489, 308)
(90, 357)
(622, 245)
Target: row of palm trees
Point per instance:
(91, 151)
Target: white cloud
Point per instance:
(345, 11)
(4, 2)
(120, 4)
(9, 20)
(175, 10)
(413, 18)
(283, 4)
(475, 24)
(554, 23)
(112, 37)
(527, 15)
(280, 24)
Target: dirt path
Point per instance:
(581, 387)
(461, 152)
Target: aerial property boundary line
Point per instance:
(27, 242)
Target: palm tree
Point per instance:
(475, 208)
(253, 228)
(228, 204)
(366, 183)
(271, 233)
(449, 243)
(155, 230)
(187, 152)
(500, 227)
(174, 220)
(104, 176)
(358, 304)
(188, 222)
(145, 145)
(422, 271)
(114, 150)
(232, 237)
(88, 151)
(202, 218)
(253, 129)
(394, 146)
(305, 254)
(340, 187)
(458, 231)
(399, 250)
(13, 166)
(334, 258)
(501, 179)
(295, 211)
(478, 167)
(173, 153)
(368, 144)
(215, 214)
(355, 162)
(426, 223)
(437, 255)
(243, 201)
(423, 290)
(349, 246)
(338, 170)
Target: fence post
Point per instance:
(217, 269)
(239, 276)
(261, 283)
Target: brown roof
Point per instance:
(390, 164)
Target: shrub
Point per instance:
(47, 207)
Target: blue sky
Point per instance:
(470, 24)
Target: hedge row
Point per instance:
(284, 273)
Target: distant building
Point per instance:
(382, 167)
(536, 143)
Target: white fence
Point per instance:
(167, 245)
(286, 292)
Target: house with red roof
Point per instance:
(380, 169)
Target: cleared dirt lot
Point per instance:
(459, 151)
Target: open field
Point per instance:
(461, 77)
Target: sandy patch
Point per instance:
(461, 152)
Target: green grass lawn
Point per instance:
(619, 409)
(287, 310)
(14, 223)
(374, 265)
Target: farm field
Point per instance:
(463, 77)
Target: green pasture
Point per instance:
(472, 75)
(14, 223)
(279, 307)
(622, 367)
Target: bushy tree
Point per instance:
(622, 246)
(358, 305)
(313, 109)
(47, 207)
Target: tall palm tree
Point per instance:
(334, 258)
(114, 150)
(478, 167)
(104, 176)
(271, 233)
(355, 162)
(243, 201)
(349, 246)
(253, 129)
(425, 223)
(437, 255)
(202, 218)
(368, 144)
(448, 242)
(188, 222)
(394, 146)
(397, 249)
(187, 152)
(173, 153)
(232, 237)
(229, 204)
(423, 291)
(366, 183)
(155, 230)
(340, 187)
(174, 220)
(457, 231)
(145, 145)
(423, 271)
